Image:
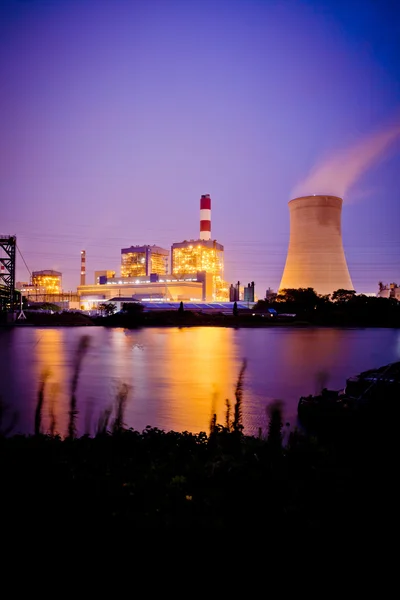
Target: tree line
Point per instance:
(341, 305)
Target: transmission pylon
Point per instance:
(8, 244)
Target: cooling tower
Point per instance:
(315, 255)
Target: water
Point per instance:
(178, 376)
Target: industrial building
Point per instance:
(234, 292)
(48, 282)
(141, 261)
(315, 255)
(203, 254)
(189, 287)
(196, 273)
(391, 290)
(108, 274)
(248, 293)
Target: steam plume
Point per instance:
(336, 174)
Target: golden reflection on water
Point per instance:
(51, 370)
(320, 347)
(202, 372)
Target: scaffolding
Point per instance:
(8, 245)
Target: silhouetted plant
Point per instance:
(4, 409)
(181, 310)
(40, 401)
(228, 414)
(235, 310)
(54, 388)
(120, 405)
(237, 425)
(213, 424)
(103, 421)
(83, 346)
(275, 424)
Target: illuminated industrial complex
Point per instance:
(50, 282)
(201, 255)
(196, 274)
(192, 271)
(139, 261)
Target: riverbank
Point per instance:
(127, 481)
(193, 319)
(332, 481)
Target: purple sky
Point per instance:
(116, 115)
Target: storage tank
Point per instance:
(315, 255)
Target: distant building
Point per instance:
(234, 292)
(391, 290)
(107, 274)
(47, 281)
(270, 294)
(201, 255)
(189, 287)
(248, 295)
(36, 293)
(139, 261)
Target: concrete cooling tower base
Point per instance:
(315, 255)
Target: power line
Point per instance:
(29, 271)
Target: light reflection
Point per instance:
(50, 370)
(201, 370)
(176, 375)
(319, 348)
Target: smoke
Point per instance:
(336, 174)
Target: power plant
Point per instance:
(315, 255)
(195, 273)
(204, 254)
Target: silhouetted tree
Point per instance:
(342, 295)
(132, 307)
(107, 308)
(235, 310)
(306, 297)
(181, 309)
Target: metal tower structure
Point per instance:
(8, 245)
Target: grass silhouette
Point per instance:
(224, 479)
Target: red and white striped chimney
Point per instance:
(83, 267)
(205, 217)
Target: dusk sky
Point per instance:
(117, 115)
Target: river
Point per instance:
(177, 377)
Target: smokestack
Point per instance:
(205, 217)
(83, 267)
(315, 255)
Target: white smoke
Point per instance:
(336, 174)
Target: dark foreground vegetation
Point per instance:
(339, 480)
